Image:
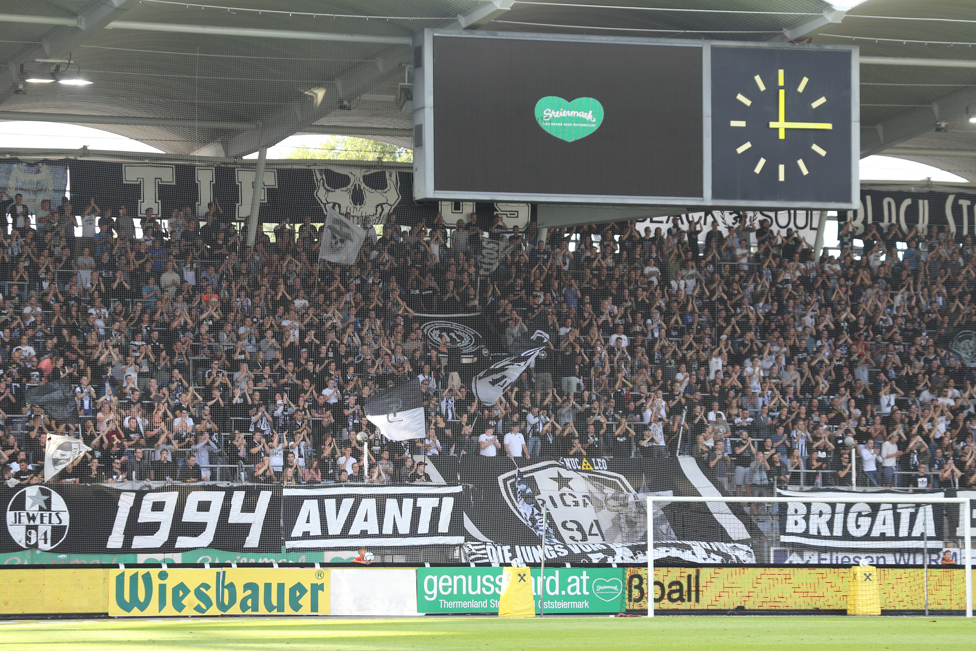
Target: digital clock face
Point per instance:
(781, 125)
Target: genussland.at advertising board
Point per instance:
(477, 590)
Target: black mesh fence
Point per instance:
(435, 381)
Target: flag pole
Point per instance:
(542, 570)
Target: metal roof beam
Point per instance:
(253, 32)
(481, 16)
(123, 120)
(61, 41)
(323, 129)
(915, 122)
(927, 63)
(319, 102)
(299, 116)
(40, 20)
(812, 26)
(941, 153)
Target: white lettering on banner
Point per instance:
(859, 525)
(373, 517)
(245, 185)
(514, 214)
(149, 178)
(163, 518)
(365, 520)
(914, 211)
(255, 519)
(804, 222)
(400, 517)
(209, 518)
(193, 513)
(452, 211)
(787, 556)
(336, 520)
(206, 179)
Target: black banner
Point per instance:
(857, 525)
(910, 209)
(57, 399)
(97, 519)
(596, 512)
(379, 516)
(468, 331)
(962, 342)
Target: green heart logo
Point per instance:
(608, 589)
(569, 121)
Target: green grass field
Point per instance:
(550, 634)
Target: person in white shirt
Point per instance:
(489, 443)
(515, 444)
(889, 459)
(619, 336)
(869, 462)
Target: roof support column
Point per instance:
(252, 220)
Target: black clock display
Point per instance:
(782, 125)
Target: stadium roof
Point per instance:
(223, 78)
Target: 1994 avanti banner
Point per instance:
(492, 515)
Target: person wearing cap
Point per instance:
(744, 455)
(488, 443)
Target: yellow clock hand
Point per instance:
(782, 124)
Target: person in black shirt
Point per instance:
(191, 472)
(94, 474)
(744, 453)
(25, 473)
(164, 469)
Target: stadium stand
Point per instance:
(194, 358)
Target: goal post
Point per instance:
(854, 509)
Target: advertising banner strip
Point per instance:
(790, 588)
(478, 590)
(171, 593)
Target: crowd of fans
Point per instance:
(194, 357)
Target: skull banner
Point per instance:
(359, 193)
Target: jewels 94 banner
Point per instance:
(101, 520)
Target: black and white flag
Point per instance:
(341, 239)
(398, 413)
(491, 383)
(492, 253)
(57, 399)
(61, 451)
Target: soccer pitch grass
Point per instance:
(431, 634)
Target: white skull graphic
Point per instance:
(360, 192)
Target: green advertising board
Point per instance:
(476, 590)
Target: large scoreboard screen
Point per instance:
(565, 119)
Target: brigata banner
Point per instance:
(67, 518)
(375, 516)
(171, 593)
(596, 514)
(858, 525)
(477, 590)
